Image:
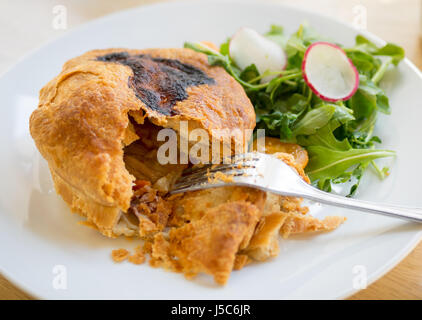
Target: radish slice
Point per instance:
(329, 73)
(249, 47)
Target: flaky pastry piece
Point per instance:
(208, 244)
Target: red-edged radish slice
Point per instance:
(329, 72)
(249, 47)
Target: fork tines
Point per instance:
(216, 174)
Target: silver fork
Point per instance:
(266, 172)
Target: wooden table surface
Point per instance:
(393, 20)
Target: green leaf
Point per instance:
(275, 30)
(364, 62)
(249, 73)
(365, 43)
(367, 98)
(326, 163)
(324, 185)
(383, 104)
(313, 120)
(261, 101)
(325, 137)
(278, 124)
(196, 46)
(357, 173)
(342, 113)
(224, 48)
(362, 129)
(390, 49)
(294, 103)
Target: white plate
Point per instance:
(37, 231)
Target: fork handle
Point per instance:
(406, 213)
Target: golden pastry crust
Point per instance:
(304, 223)
(210, 243)
(81, 125)
(264, 243)
(104, 218)
(192, 206)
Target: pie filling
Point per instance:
(150, 208)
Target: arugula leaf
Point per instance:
(326, 163)
(342, 114)
(390, 49)
(278, 124)
(357, 173)
(325, 137)
(365, 63)
(313, 120)
(393, 51)
(368, 98)
(249, 73)
(295, 103)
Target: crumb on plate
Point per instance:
(119, 255)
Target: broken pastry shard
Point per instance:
(119, 255)
(302, 224)
(264, 243)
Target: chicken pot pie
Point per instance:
(97, 125)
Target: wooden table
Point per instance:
(393, 20)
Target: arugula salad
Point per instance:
(316, 93)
